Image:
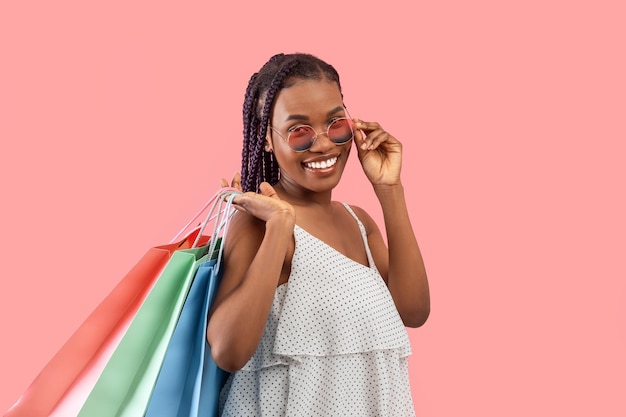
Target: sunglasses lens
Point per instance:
(301, 138)
(340, 131)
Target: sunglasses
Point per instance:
(301, 137)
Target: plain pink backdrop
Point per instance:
(118, 118)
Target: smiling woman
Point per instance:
(311, 313)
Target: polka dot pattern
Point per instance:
(334, 343)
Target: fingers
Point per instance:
(265, 189)
(242, 200)
(369, 135)
(235, 183)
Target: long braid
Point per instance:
(250, 125)
(279, 72)
(271, 171)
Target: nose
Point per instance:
(322, 142)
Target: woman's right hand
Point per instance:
(265, 205)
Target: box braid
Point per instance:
(281, 71)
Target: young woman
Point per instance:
(310, 316)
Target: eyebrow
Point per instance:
(304, 117)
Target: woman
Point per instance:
(310, 316)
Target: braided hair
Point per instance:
(281, 71)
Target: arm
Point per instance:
(254, 254)
(401, 265)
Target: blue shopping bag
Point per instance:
(189, 381)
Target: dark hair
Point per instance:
(281, 71)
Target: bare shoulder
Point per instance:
(366, 219)
(245, 233)
(242, 241)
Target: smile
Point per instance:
(321, 164)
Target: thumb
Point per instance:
(267, 190)
(359, 140)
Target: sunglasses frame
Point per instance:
(286, 139)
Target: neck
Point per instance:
(302, 197)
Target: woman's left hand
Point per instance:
(379, 152)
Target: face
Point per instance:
(316, 104)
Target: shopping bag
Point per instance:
(127, 381)
(137, 357)
(86, 347)
(189, 381)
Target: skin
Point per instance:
(260, 242)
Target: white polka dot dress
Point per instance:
(334, 343)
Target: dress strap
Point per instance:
(370, 258)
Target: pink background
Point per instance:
(118, 119)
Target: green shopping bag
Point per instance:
(125, 385)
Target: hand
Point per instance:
(379, 152)
(235, 183)
(265, 205)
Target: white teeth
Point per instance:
(321, 165)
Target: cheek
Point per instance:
(284, 158)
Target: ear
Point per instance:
(268, 145)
